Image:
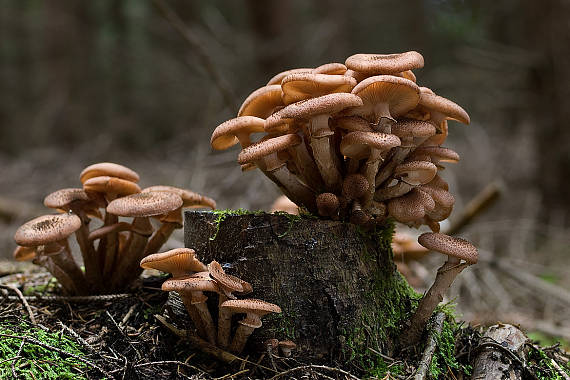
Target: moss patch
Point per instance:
(36, 362)
(541, 365)
(221, 215)
(444, 359)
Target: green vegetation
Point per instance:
(30, 361)
(221, 215)
(541, 365)
(444, 359)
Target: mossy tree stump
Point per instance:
(337, 285)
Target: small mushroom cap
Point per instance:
(438, 182)
(401, 95)
(24, 253)
(189, 198)
(145, 204)
(415, 172)
(301, 86)
(225, 134)
(330, 69)
(108, 169)
(358, 144)
(254, 306)
(228, 282)
(47, 229)
(327, 204)
(385, 63)
(410, 207)
(443, 105)
(191, 284)
(257, 151)
(179, 262)
(287, 344)
(285, 204)
(277, 78)
(306, 109)
(63, 197)
(451, 246)
(437, 153)
(355, 186)
(111, 185)
(413, 128)
(262, 102)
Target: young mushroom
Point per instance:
(460, 254)
(254, 310)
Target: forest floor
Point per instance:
(120, 337)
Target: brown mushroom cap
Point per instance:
(413, 128)
(228, 282)
(189, 198)
(437, 153)
(226, 134)
(327, 204)
(330, 68)
(358, 144)
(415, 172)
(355, 186)
(375, 64)
(47, 229)
(111, 185)
(277, 78)
(450, 246)
(108, 169)
(352, 124)
(179, 262)
(410, 207)
(442, 105)
(400, 94)
(263, 148)
(63, 197)
(145, 204)
(253, 308)
(191, 286)
(262, 102)
(301, 86)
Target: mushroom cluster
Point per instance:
(359, 141)
(191, 279)
(112, 248)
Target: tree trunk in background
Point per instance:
(337, 286)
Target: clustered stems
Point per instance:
(111, 249)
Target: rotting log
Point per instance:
(338, 287)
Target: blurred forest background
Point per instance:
(144, 83)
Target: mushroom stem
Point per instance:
(387, 170)
(307, 168)
(159, 238)
(240, 338)
(60, 275)
(62, 259)
(194, 314)
(383, 119)
(401, 188)
(327, 161)
(370, 169)
(443, 280)
(208, 323)
(224, 323)
(93, 273)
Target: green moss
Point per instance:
(381, 317)
(444, 358)
(37, 362)
(285, 326)
(221, 215)
(541, 365)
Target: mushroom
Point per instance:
(254, 310)
(24, 253)
(277, 78)
(460, 254)
(375, 64)
(191, 290)
(267, 150)
(330, 69)
(227, 284)
(285, 204)
(302, 86)
(108, 169)
(286, 347)
(179, 262)
(384, 98)
(441, 108)
(328, 205)
(369, 145)
(262, 102)
(236, 130)
(48, 235)
(140, 207)
(409, 174)
(318, 111)
(410, 207)
(80, 203)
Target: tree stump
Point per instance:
(337, 285)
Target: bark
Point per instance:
(337, 286)
(494, 360)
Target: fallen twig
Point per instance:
(427, 356)
(314, 366)
(23, 300)
(76, 299)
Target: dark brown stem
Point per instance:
(93, 273)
